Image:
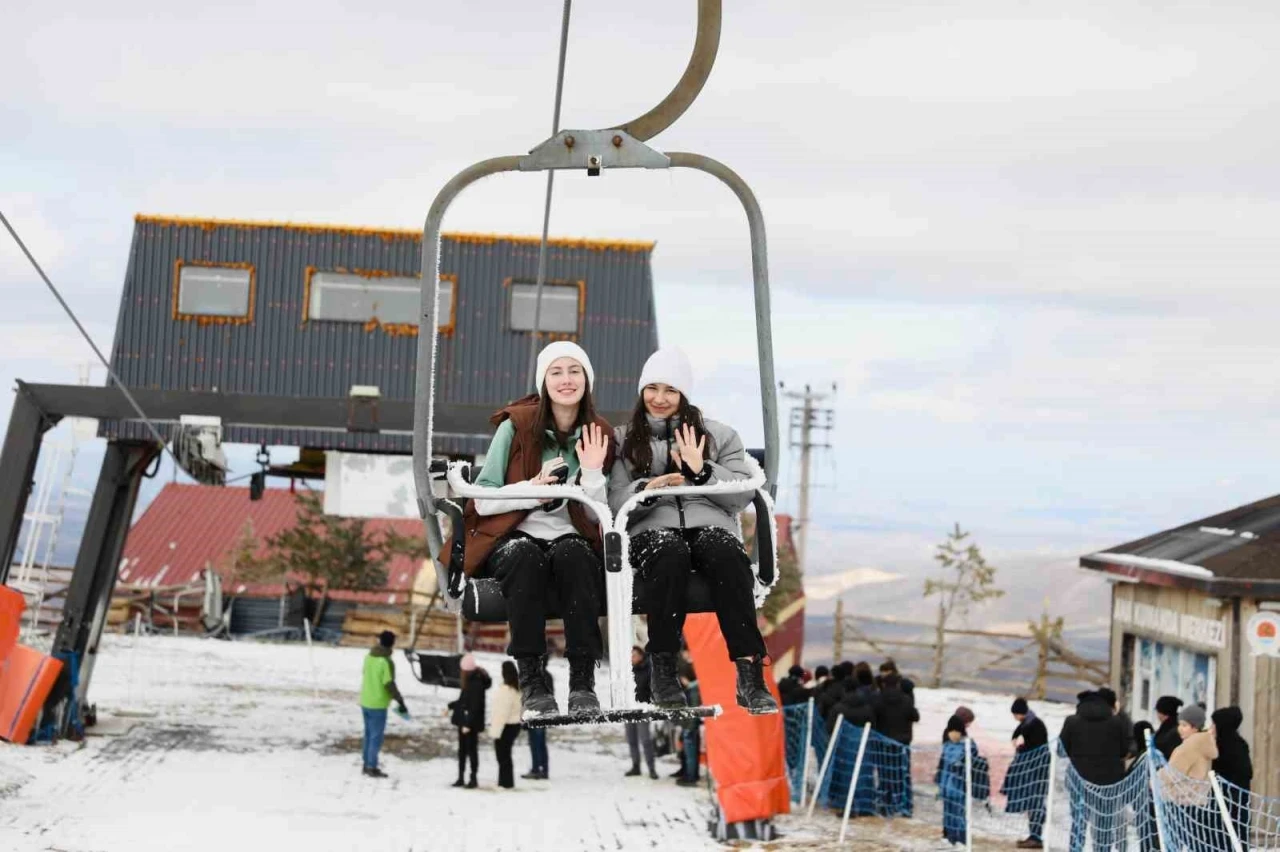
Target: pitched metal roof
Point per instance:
(1236, 551)
(189, 527)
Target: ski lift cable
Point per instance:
(546, 207)
(155, 433)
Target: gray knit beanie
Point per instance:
(1193, 715)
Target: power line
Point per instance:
(155, 433)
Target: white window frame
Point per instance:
(331, 281)
(523, 289)
(192, 275)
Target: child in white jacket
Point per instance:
(504, 722)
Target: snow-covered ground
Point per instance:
(206, 745)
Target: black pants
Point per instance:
(468, 747)
(530, 570)
(506, 772)
(663, 559)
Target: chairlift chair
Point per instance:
(481, 600)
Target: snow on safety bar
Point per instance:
(521, 491)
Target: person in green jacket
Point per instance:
(377, 691)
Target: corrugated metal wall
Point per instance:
(280, 353)
(251, 615)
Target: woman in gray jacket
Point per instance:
(669, 443)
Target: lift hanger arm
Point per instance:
(686, 90)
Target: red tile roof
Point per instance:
(189, 527)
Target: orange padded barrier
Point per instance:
(745, 753)
(27, 679)
(11, 606)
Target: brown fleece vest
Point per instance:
(523, 463)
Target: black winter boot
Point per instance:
(535, 698)
(662, 681)
(752, 693)
(582, 687)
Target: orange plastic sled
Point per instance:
(745, 753)
(27, 679)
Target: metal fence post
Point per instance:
(808, 746)
(1048, 799)
(826, 761)
(1155, 794)
(1226, 814)
(968, 795)
(853, 781)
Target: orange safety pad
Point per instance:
(25, 683)
(745, 753)
(11, 606)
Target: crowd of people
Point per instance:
(1101, 742)
(472, 713)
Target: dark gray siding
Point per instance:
(279, 353)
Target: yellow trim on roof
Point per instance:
(395, 233)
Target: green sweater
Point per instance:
(494, 472)
(546, 526)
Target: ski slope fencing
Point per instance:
(853, 771)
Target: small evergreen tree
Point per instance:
(326, 552)
(966, 579)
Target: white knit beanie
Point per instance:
(668, 366)
(562, 349)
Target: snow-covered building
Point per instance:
(1195, 613)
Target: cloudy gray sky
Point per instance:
(1032, 243)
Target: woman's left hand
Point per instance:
(592, 447)
(689, 448)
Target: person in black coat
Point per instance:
(467, 715)
(858, 704)
(895, 717)
(1235, 766)
(831, 692)
(1096, 741)
(791, 687)
(1167, 736)
(1026, 784)
(1109, 695)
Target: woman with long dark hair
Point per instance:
(542, 548)
(504, 723)
(667, 443)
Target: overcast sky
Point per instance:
(1032, 243)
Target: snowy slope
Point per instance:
(241, 754)
(238, 746)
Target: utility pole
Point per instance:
(808, 420)
(837, 637)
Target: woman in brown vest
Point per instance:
(540, 549)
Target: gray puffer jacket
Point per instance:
(724, 453)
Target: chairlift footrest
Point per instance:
(632, 714)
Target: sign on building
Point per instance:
(1211, 632)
